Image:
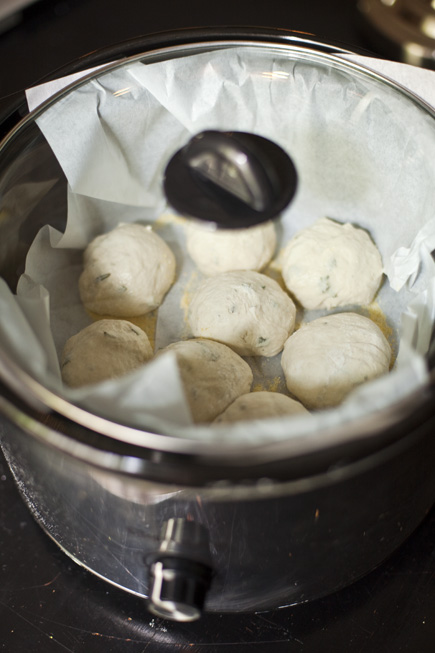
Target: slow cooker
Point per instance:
(186, 523)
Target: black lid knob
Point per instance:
(231, 179)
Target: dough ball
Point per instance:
(260, 405)
(228, 249)
(328, 357)
(332, 264)
(212, 375)
(245, 310)
(105, 349)
(127, 272)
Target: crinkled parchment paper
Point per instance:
(364, 154)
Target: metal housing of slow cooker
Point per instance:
(251, 529)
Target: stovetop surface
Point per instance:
(48, 604)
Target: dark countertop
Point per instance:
(50, 605)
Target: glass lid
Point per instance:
(90, 161)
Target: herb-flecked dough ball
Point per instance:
(222, 250)
(332, 264)
(126, 272)
(244, 309)
(260, 405)
(328, 357)
(106, 349)
(213, 375)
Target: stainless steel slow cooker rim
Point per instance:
(126, 434)
(229, 488)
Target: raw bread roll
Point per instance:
(127, 272)
(105, 349)
(228, 249)
(328, 357)
(245, 310)
(212, 375)
(260, 405)
(331, 264)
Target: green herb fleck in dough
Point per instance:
(102, 277)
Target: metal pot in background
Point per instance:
(402, 29)
(184, 524)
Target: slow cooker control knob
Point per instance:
(180, 571)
